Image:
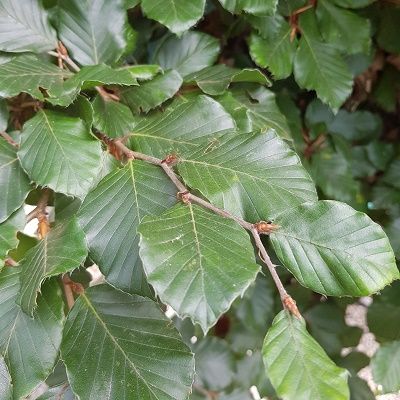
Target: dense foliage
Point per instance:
(233, 169)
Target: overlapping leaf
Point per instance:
(256, 7)
(297, 366)
(111, 213)
(197, 262)
(5, 381)
(62, 250)
(14, 184)
(153, 93)
(176, 15)
(57, 151)
(139, 352)
(333, 249)
(256, 176)
(29, 345)
(190, 53)
(93, 30)
(24, 26)
(182, 127)
(216, 79)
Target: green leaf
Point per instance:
(190, 53)
(181, 127)
(111, 213)
(386, 197)
(385, 91)
(29, 74)
(111, 117)
(319, 66)
(29, 345)
(386, 367)
(189, 252)
(354, 362)
(8, 233)
(388, 29)
(344, 29)
(4, 115)
(273, 49)
(353, 3)
(5, 381)
(334, 250)
(216, 79)
(359, 389)
(62, 250)
(215, 364)
(255, 111)
(57, 151)
(140, 352)
(14, 184)
(144, 72)
(256, 7)
(255, 176)
(298, 367)
(24, 26)
(153, 93)
(61, 392)
(393, 232)
(392, 174)
(93, 31)
(177, 15)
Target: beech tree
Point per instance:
(230, 166)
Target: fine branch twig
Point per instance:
(39, 211)
(185, 195)
(9, 139)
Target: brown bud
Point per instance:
(265, 227)
(291, 306)
(171, 159)
(184, 197)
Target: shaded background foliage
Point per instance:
(333, 71)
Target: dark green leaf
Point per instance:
(353, 362)
(188, 252)
(153, 93)
(256, 7)
(111, 213)
(182, 127)
(359, 389)
(62, 250)
(256, 176)
(393, 232)
(388, 29)
(392, 174)
(24, 26)
(216, 79)
(386, 367)
(14, 184)
(298, 367)
(386, 91)
(319, 66)
(140, 353)
(93, 30)
(29, 346)
(334, 250)
(57, 151)
(386, 197)
(190, 53)
(176, 15)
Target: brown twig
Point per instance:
(40, 213)
(68, 293)
(9, 139)
(186, 196)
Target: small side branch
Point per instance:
(40, 213)
(9, 139)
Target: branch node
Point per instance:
(266, 227)
(184, 196)
(290, 304)
(170, 160)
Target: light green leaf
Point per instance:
(197, 262)
(190, 53)
(28, 74)
(216, 79)
(353, 3)
(177, 15)
(24, 26)
(297, 366)
(145, 72)
(255, 176)
(111, 213)
(334, 250)
(136, 342)
(62, 250)
(8, 233)
(319, 66)
(57, 151)
(14, 184)
(181, 127)
(111, 117)
(273, 49)
(344, 29)
(393, 232)
(386, 367)
(255, 111)
(5, 382)
(4, 115)
(29, 345)
(153, 93)
(93, 30)
(256, 7)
